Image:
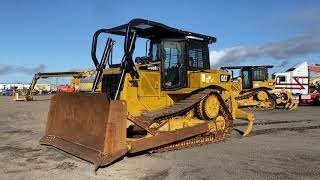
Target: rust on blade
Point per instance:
(115, 144)
(87, 125)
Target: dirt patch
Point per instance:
(271, 173)
(14, 171)
(18, 131)
(66, 166)
(159, 175)
(272, 122)
(275, 130)
(18, 150)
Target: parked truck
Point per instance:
(297, 81)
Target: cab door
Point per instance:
(174, 73)
(247, 78)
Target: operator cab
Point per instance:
(177, 56)
(248, 74)
(170, 51)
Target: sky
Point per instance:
(56, 35)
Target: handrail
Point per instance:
(102, 65)
(94, 46)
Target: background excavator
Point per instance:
(254, 88)
(27, 94)
(166, 100)
(83, 84)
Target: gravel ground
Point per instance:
(283, 145)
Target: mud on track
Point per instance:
(283, 145)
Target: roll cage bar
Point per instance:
(246, 67)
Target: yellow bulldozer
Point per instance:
(253, 88)
(166, 100)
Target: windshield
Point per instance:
(154, 51)
(290, 69)
(260, 74)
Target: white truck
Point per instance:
(296, 80)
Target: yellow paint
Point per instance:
(145, 94)
(261, 99)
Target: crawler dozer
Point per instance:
(27, 94)
(166, 100)
(253, 89)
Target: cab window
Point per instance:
(154, 52)
(197, 56)
(260, 74)
(172, 63)
(281, 79)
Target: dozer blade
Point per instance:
(87, 125)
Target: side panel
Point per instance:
(144, 94)
(269, 83)
(149, 84)
(200, 79)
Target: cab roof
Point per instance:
(150, 29)
(246, 67)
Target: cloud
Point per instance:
(281, 50)
(5, 69)
(308, 18)
(8, 69)
(28, 70)
(307, 42)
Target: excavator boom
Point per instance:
(28, 95)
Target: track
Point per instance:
(253, 92)
(184, 106)
(247, 94)
(206, 138)
(175, 109)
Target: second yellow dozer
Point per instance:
(252, 88)
(166, 100)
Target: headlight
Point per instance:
(270, 83)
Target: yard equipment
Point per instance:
(167, 100)
(27, 94)
(253, 88)
(297, 80)
(83, 84)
